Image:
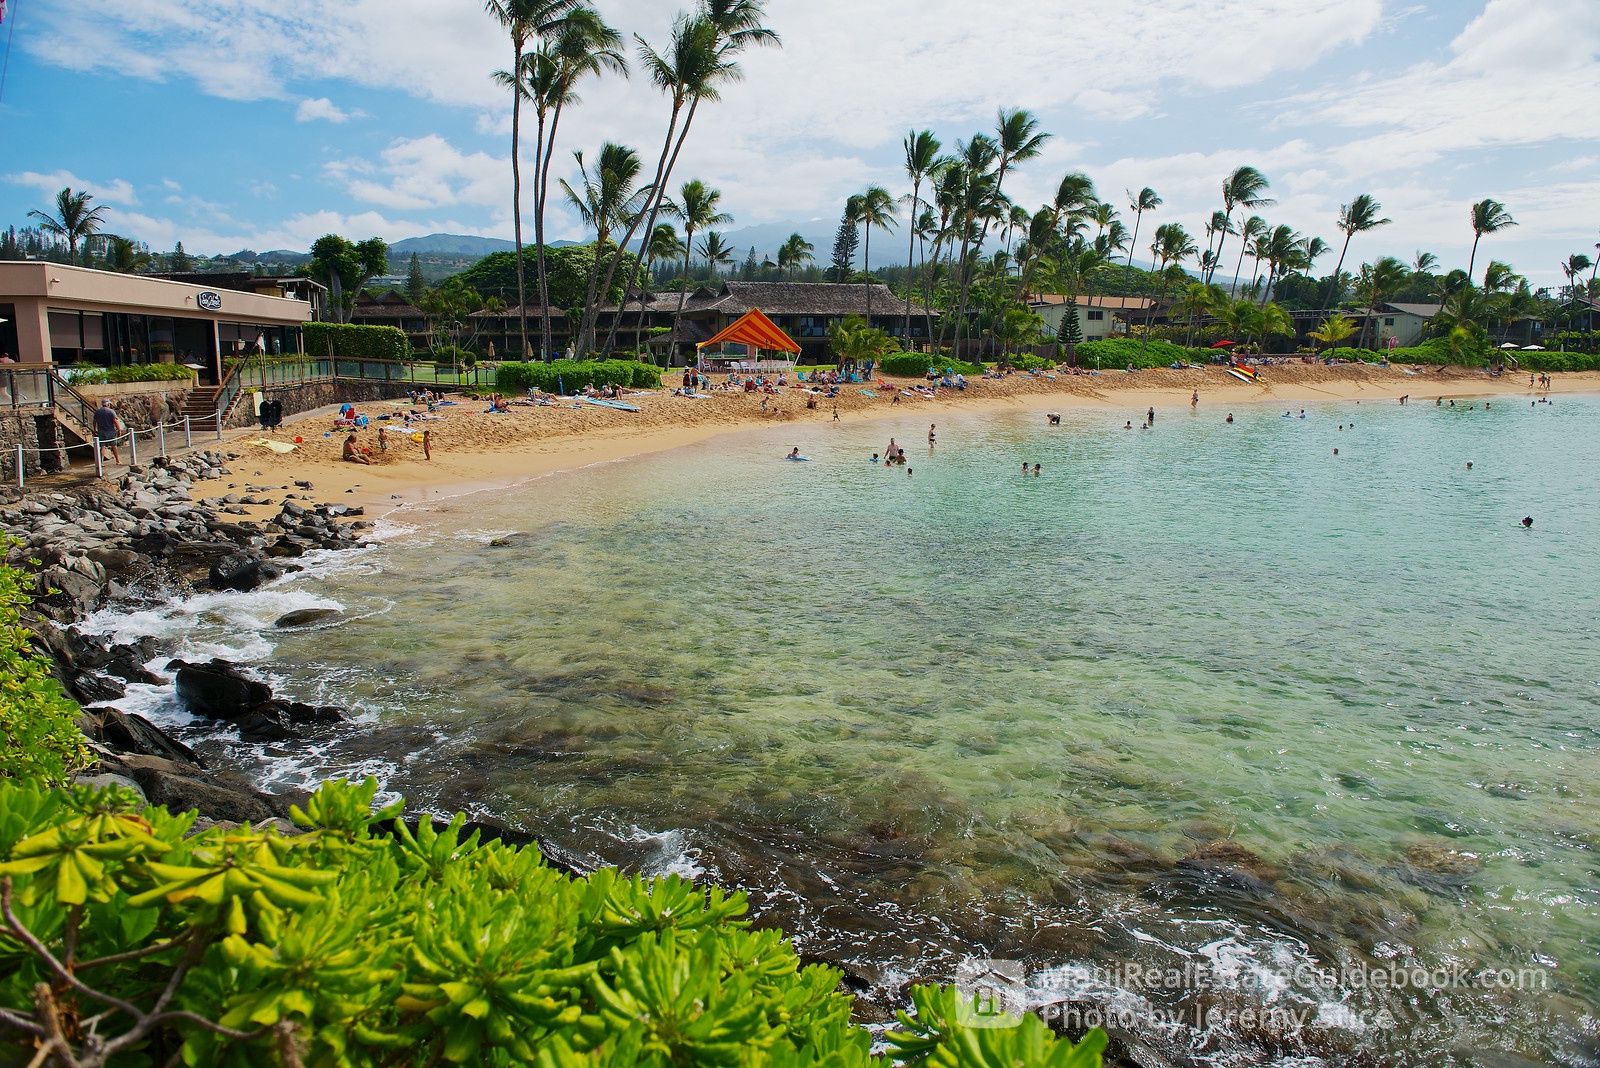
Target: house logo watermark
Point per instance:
(994, 992)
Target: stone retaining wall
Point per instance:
(311, 395)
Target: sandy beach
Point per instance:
(473, 450)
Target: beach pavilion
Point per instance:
(756, 334)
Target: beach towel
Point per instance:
(866, 393)
(275, 446)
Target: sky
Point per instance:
(232, 124)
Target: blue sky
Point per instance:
(242, 123)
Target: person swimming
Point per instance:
(1126, 426)
(794, 453)
(1229, 419)
(1036, 469)
(1527, 521)
(874, 458)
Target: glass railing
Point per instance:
(27, 387)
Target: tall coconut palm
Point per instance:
(522, 20)
(875, 208)
(701, 57)
(74, 221)
(1488, 216)
(716, 252)
(795, 252)
(1312, 249)
(1378, 284)
(610, 199)
(1018, 138)
(697, 207)
(582, 45)
(663, 245)
(1356, 217)
(1280, 248)
(1576, 264)
(979, 201)
(1142, 201)
(1252, 230)
(1244, 188)
(922, 156)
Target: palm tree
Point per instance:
(1312, 249)
(697, 208)
(1576, 264)
(1142, 201)
(582, 45)
(1281, 249)
(1488, 216)
(611, 199)
(875, 207)
(794, 252)
(1198, 300)
(1377, 285)
(74, 220)
(1356, 217)
(979, 202)
(126, 257)
(1335, 328)
(663, 245)
(1253, 229)
(522, 20)
(922, 156)
(700, 57)
(717, 252)
(1241, 189)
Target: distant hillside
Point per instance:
(459, 245)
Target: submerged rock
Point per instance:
(305, 617)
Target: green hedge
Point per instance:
(571, 375)
(353, 946)
(1117, 353)
(135, 372)
(38, 721)
(916, 364)
(351, 342)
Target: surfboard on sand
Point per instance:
(1239, 376)
(618, 405)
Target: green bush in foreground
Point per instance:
(1117, 353)
(569, 376)
(916, 364)
(345, 947)
(38, 721)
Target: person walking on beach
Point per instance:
(108, 429)
(427, 444)
(383, 439)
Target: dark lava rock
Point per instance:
(300, 712)
(243, 571)
(95, 688)
(155, 543)
(119, 561)
(181, 787)
(125, 667)
(130, 733)
(219, 689)
(305, 616)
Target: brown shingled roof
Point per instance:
(798, 298)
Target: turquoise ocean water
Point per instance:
(1207, 699)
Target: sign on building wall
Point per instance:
(209, 301)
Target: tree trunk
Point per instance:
(516, 191)
(1333, 283)
(1474, 259)
(911, 250)
(683, 290)
(866, 268)
(656, 199)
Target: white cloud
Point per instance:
(116, 191)
(311, 110)
(426, 172)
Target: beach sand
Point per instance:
(474, 450)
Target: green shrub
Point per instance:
(1115, 353)
(135, 372)
(347, 341)
(38, 720)
(354, 947)
(916, 364)
(568, 376)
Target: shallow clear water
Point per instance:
(1200, 696)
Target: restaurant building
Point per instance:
(52, 313)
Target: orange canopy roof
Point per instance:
(757, 331)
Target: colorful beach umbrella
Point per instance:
(1224, 344)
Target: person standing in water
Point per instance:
(1194, 401)
(1150, 416)
(930, 434)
